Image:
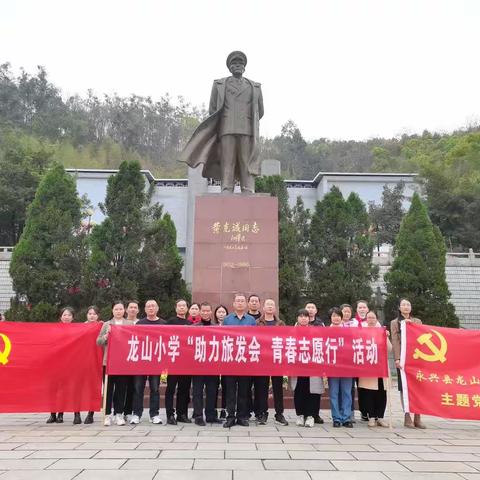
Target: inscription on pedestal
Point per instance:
(235, 248)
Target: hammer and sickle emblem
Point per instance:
(6, 351)
(437, 353)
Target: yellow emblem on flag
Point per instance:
(437, 353)
(6, 350)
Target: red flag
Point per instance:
(441, 374)
(336, 352)
(50, 367)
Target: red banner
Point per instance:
(186, 350)
(441, 374)
(47, 367)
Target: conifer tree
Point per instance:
(418, 270)
(386, 218)
(116, 243)
(161, 272)
(291, 238)
(340, 252)
(47, 261)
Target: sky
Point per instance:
(340, 69)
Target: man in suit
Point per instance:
(227, 141)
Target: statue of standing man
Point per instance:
(227, 142)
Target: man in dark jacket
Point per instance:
(139, 381)
(205, 383)
(181, 383)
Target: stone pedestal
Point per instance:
(235, 248)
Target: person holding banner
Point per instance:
(205, 383)
(253, 309)
(238, 386)
(340, 388)
(139, 381)
(220, 313)
(116, 384)
(132, 315)
(372, 390)
(307, 390)
(404, 315)
(181, 383)
(361, 319)
(348, 321)
(269, 319)
(93, 316)
(67, 315)
(315, 321)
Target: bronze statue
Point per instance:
(227, 142)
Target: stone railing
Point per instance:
(385, 257)
(6, 253)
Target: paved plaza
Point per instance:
(30, 449)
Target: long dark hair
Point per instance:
(400, 317)
(215, 319)
(96, 310)
(67, 309)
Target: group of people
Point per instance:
(242, 396)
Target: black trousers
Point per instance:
(128, 408)
(209, 385)
(238, 391)
(360, 398)
(374, 401)
(223, 384)
(116, 392)
(261, 385)
(251, 402)
(139, 382)
(181, 383)
(305, 402)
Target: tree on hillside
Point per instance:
(289, 148)
(23, 160)
(340, 251)
(47, 261)
(418, 271)
(115, 260)
(32, 103)
(386, 217)
(454, 207)
(291, 261)
(161, 273)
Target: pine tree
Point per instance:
(386, 218)
(47, 261)
(161, 273)
(340, 252)
(116, 244)
(418, 270)
(291, 241)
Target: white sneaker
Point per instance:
(372, 422)
(310, 422)
(300, 422)
(108, 421)
(119, 419)
(135, 420)
(156, 420)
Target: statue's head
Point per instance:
(236, 62)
